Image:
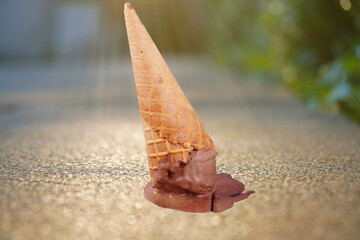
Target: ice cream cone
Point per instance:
(171, 126)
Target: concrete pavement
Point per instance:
(73, 162)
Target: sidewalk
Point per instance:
(73, 162)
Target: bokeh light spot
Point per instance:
(216, 220)
(131, 219)
(345, 4)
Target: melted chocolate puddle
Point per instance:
(194, 186)
(227, 192)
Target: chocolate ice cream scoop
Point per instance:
(194, 186)
(197, 176)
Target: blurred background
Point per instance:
(75, 52)
(276, 83)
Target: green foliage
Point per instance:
(240, 35)
(324, 50)
(312, 46)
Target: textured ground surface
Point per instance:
(73, 163)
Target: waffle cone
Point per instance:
(171, 126)
(158, 148)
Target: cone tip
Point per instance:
(128, 6)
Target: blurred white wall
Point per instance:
(76, 28)
(40, 28)
(24, 28)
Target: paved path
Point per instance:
(73, 163)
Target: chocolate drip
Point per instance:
(194, 186)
